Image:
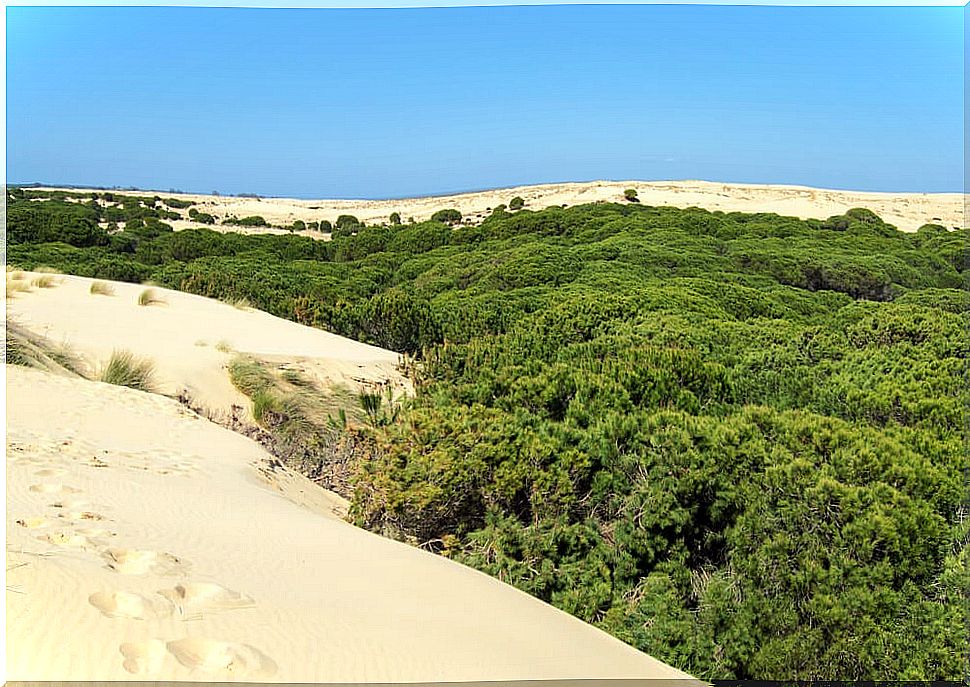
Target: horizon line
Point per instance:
(461, 192)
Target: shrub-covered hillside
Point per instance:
(737, 442)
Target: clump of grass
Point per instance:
(295, 378)
(44, 281)
(15, 274)
(249, 376)
(14, 287)
(102, 288)
(23, 347)
(150, 297)
(44, 269)
(223, 346)
(240, 303)
(125, 369)
(264, 402)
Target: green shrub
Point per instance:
(347, 222)
(449, 216)
(516, 203)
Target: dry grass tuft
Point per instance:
(44, 281)
(150, 297)
(15, 286)
(102, 288)
(125, 369)
(23, 347)
(240, 303)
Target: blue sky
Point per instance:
(388, 103)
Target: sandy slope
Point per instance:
(908, 211)
(146, 543)
(191, 339)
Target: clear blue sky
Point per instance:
(387, 103)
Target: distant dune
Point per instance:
(146, 543)
(907, 211)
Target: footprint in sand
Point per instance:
(51, 472)
(53, 488)
(193, 599)
(222, 659)
(80, 516)
(34, 523)
(97, 532)
(69, 504)
(143, 658)
(67, 538)
(128, 605)
(135, 562)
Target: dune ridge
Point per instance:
(907, 211)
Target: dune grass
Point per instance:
(240, 303)
(102, 288)
(44, 281)
(23, 347)
(303, 421)
(125, 369)
(150, 297)
(15, 286)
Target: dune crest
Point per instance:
(908, 211)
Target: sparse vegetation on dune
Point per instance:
(303, 421)
(449, 216)
(252, 221)
(240, 303)
(23, 347)
(15, 286)
(101, 288)
(150, 297)
(126, 369)
(44, 281)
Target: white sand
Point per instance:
(907, 211)
(145, 543)
(191, 339)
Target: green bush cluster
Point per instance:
(449, 216)
(251, 221)
(201, 217)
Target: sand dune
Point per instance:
(146, 543)
(191, 339)
(908, 211)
